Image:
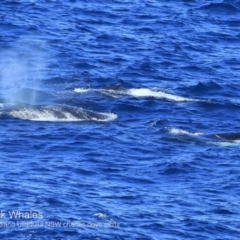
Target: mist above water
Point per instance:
(22, 68)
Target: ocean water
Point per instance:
(112, 114)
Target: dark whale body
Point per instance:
(113, 87)
(58, 112)
(231, 136)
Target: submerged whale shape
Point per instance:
(231, 136)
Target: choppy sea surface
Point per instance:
(112, 114)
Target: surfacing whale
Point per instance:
(224, 137)
(113, 87)
(57, 113)
(231, 136)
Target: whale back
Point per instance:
(232, 136)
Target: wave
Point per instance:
(138, 92)
(57, 113)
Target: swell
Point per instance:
(226, 6)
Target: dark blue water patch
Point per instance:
(227, 7)
(212, 89)
(209, 86)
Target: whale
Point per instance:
(228, 136)
(218, 136)
(113, 87)
(56, 113)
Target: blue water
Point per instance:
(110, 113)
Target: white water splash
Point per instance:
(138, 93)
(176, 131)
(145, 92)
(100, 215)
